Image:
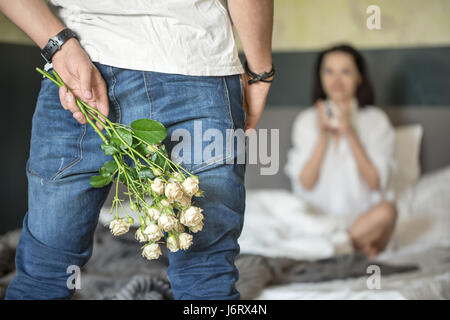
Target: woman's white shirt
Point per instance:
(340, 190)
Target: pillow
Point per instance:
(423, 219)
(408, 140)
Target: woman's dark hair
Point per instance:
(364, 92)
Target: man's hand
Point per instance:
(253, 20)
(71, 62)
(83, 79)
(255, 97)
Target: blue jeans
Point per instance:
(63, 209)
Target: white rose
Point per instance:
(192, 216)
(153, 232)
(167, 222)
(140, 236)
(190, 186)
(119, 226)
(172, 243)
(151, 251)
(154, 213)
(185, 240)
(176, 177)
(196, 228)
(173, 191)
(179, 227)
(185, 200)
(164, 203)
(158, 186)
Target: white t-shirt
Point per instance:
(190, 37)
(340, 190)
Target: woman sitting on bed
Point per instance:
(343, 151)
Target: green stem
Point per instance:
(90, 121)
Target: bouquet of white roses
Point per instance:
(169, 186)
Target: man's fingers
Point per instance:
(68, 102)
(62, 97)
(86, 83)
(244, 90)
(250, 123)
(79, 116)
(69, 99)
(101, 95)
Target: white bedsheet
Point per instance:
(432, 281)
(277, 224)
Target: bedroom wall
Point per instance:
(407, 58)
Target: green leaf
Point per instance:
(142, 149)
(108, 168)
(100, 181)
(135, 142)
(115, 141)
(151, 131)
(125, 135)
(160, 161)
(109, 149)
(145, 173)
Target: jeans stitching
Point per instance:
(241, 87)
(80, 153)
(79, 158)
(59, 172)
(113, 96)
(149, 97)
(230, 154)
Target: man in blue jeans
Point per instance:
(173, 61)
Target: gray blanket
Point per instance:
(117, 271)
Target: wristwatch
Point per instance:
(55, 43)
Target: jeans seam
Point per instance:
(30, 170)
(230, 115)
(147, 92)
(113, 96)
(241, 87)
(60, 171)
(79, 151)
(227, 95)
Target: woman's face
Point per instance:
(340, 76)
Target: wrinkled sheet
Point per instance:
(117, 271)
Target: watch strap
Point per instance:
(55, 43)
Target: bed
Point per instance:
(421, 239)
(422, 234)
(310, 265)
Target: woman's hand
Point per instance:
(322, 118)
(344, 126)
